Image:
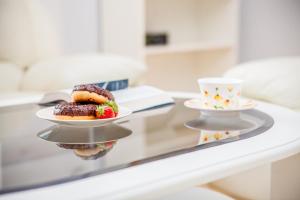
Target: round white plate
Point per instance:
(47, 114)
(245, 104)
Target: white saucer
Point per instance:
(245, 104)
(47, 114)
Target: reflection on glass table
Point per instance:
(86, 143)
(228, 128)
(89, 151)
(212, 136)
(28, 161)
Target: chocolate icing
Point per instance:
(86, 146)
(82, 147)
(75, 109)
(77, 146)
(94, 88)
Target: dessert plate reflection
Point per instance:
(86, 143)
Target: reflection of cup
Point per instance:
(220, 93)
(207, 136)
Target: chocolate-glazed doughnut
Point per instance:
(89, 151)
(91, 93)
(76, 146)
(75, 111)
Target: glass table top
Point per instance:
(37, 153)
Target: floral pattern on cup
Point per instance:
(220, 93)
(207, 136)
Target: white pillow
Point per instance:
(65, 72)
(28, 32)
(10, 77)
(274, 80)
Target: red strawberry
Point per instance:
(103, 112)
(113, 105)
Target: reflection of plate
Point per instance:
(47, 114)
(86, 143)
(210, 123)
(245, 104)
(72, 135)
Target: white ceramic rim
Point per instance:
(219, 81)
(47, 114)
(241, 107)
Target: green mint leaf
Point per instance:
(100, 110)
(101, 145)
(113, 105)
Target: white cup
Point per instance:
(220, 93)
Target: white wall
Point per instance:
(77, 22)
(269, 28)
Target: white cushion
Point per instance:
(28, 32)
(274, 80)
(10, 77)
(65, 72)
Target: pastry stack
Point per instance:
(89, 102)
